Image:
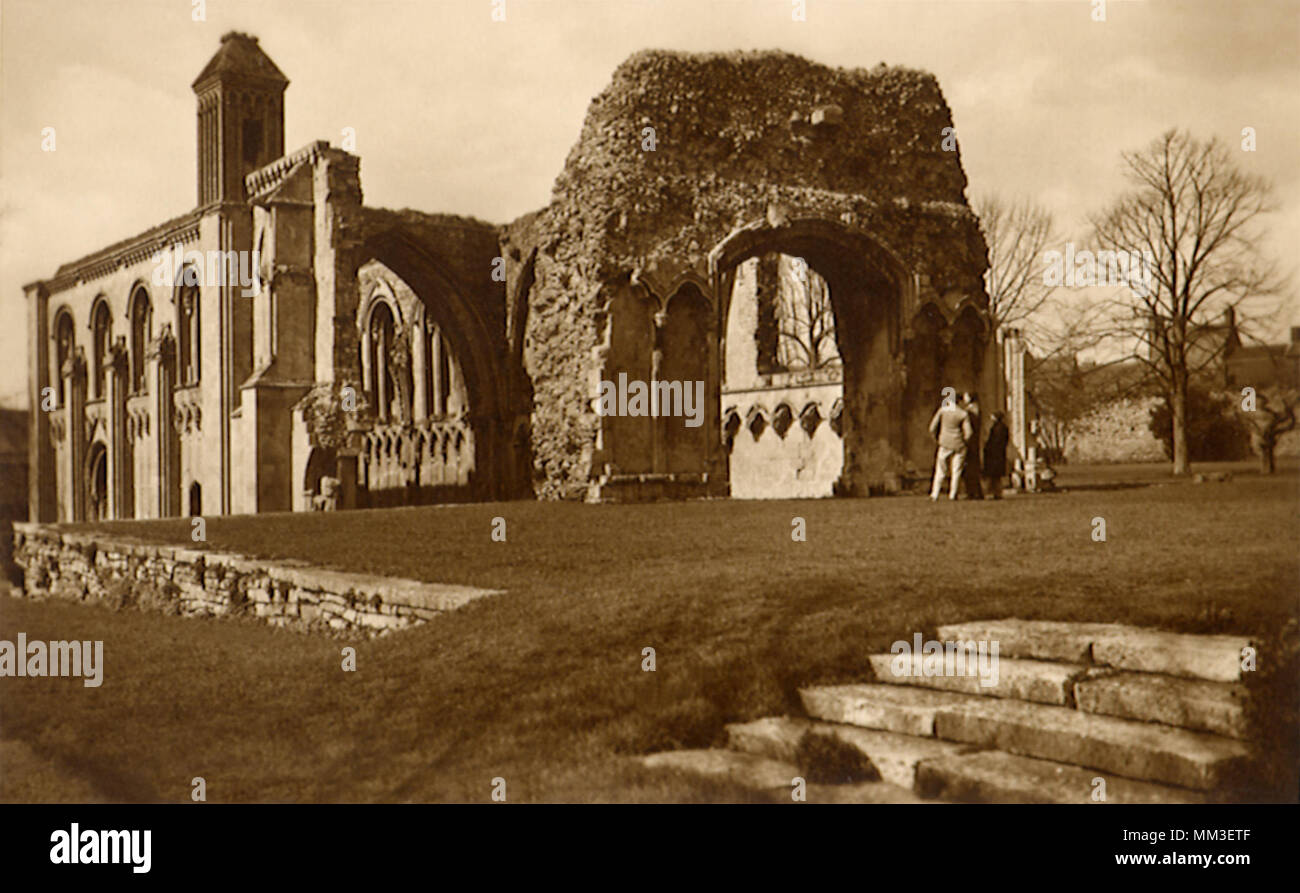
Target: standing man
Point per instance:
(995, 454)
(971, 475)
(952, 429)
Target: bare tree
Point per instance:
(805, 320)
(1017, 233)
(1190, 212)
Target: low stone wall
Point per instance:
(197, 582)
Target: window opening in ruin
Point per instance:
(139, 339)
(103, 329)
(66, 343)
(795, 330)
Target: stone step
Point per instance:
(893, 756)
(1125, 747)
(994, 776)
(1217, 707)
(1214, 658)
(1038, 639)
(775, 777)
(746, 769)
(774, 737)
(1122, 746)
(889, 708)
(1045, 682)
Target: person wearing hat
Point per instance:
(952, 429)
(995, 453)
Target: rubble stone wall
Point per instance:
(197, 582)
(1116, 432)
(1120, 432)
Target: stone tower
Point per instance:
(241, 117)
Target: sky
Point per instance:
(454, 112)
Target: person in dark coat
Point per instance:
(995, 454)
(971, 473)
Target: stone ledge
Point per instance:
(774, 737)
(283, 592)
(749, 770)
(1045, 682)
(1037, 639)
(909, 711)
(1214, 658)
(1139, 750)
(994, 776)
(1218, 707)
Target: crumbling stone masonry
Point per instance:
(689, 165)
(384, 357)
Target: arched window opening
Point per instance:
(102, 327)
(381, 383)
(97, 483)
(196, 500)
(188, 365)
(140, 312)
(65, 340)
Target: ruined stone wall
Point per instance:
(199, 582)
(1121, 432)
(1116, 432)
(738, 138)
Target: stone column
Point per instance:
(119, 440)
(346, 471)
(74, 455)
(435, 341)
(1014, 349)
(873, 388)
(380, 362)
(454, 404)
(42, 482)
(161, 359)
(658, 457)
(419, 363)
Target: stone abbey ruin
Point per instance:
(795, 237)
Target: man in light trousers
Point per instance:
(951, 426)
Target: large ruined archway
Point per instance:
(758, 153)
(443, 435)
(780, 366)
(865, 282)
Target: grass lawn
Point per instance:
(543, 686)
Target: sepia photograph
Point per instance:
(487, 402)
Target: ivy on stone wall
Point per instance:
(328, 422)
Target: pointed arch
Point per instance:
(140, 320)
(101, 342)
